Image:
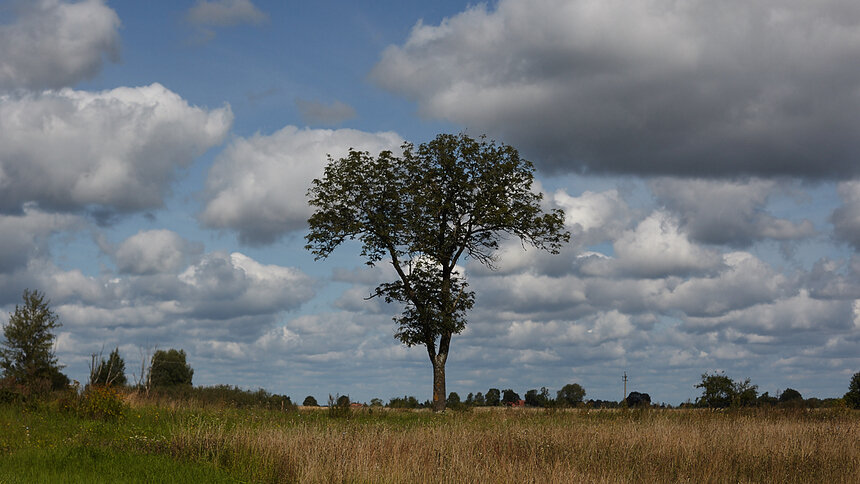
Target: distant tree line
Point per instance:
(29, 368)
(720, 391)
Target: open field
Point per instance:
(182, 443)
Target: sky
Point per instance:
(155, 158)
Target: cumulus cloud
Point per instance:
(114, 151)
(724, 212)
(314, 112)
(258, 185)
(653, 87)
(658, 248)
(154, 251)
(594, 217)
(52, 44)
(225, 13)
(26, 236)
(846, 218)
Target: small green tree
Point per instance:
(717, 391)
(790, 398)
(110, 372)
(27, 352)
(310, 401)
(453, 401)
(169, 368)
(744, 393)
(493, 397)
(570, 394)
(479, 399)
(852, 398)
(509, 397)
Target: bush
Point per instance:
(339, 406)
(310, 401)
(224, 395)
(101, 402)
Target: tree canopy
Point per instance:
(27, 351)
(169, 368)
(422, 211)
(570, 394)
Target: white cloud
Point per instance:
(114, 150)
(154, 251)
(53, 44)
(258, 185)
(594, 217)
(649, 87)
(225, 13)
(657, 248)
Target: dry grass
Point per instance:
(536, 446)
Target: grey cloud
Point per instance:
(25, 236)
(53, 44)
(723, 212)
(317, 113)
(257, 186)
(846, 218)
(653, 87)
(225, 13)
(109, 151)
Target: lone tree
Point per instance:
(422, 211)
(27, 352)
(168, 368)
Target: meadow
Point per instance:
(181, 441)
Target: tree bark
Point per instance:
(439, 394)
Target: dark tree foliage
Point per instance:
(168, 368)
(852, 398)
(110, 372)
(510, 397)
(717, 391)
(493, 397)
(27, 352)
(479, 399)
(790, 396)
(310, 401)
(570, 394)
(404, 402)
(535, 398)
(422, 211)
(638, 400)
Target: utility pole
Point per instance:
(624, 397)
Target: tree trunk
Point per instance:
(439, 394)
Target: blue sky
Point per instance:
(154, 158)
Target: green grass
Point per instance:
(45, 445)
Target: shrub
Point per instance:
(101, 402)
(338, 406)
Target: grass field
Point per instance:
(184, 443)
